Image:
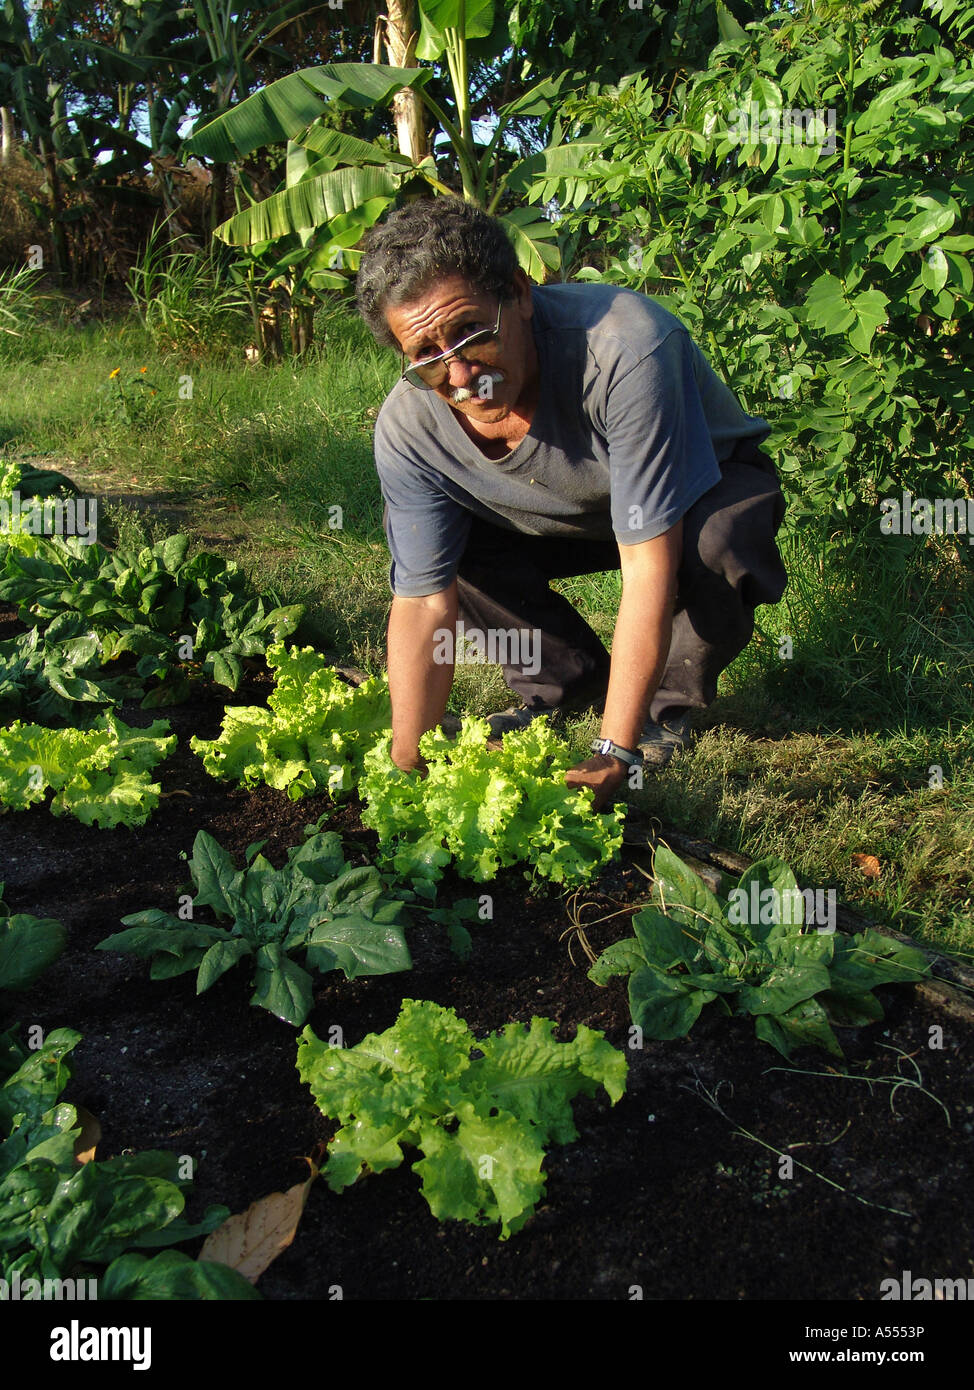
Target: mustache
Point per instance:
(463, 393)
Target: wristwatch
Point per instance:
(608, 749)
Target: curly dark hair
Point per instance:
(424, 242)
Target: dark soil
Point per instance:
(660, 1197)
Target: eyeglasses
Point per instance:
(432, 371)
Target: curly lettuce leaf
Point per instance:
(482, 1123)
(486, 810)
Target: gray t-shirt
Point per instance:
(630, 426)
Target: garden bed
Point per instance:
(661, 1196)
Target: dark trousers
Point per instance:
(730, 565)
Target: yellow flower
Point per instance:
(143, 369)
(114, 373)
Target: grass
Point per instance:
(822, 740)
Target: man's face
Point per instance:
(451, 310)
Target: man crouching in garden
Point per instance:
(539, 432)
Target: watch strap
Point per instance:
(608, 749)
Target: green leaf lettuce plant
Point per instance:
(99, 775)
(482, 1122)
(487, 810)
(311, 737)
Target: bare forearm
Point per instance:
(644, 627)
(418, 683)
(640, 646)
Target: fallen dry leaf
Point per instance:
(253, 1239)
(868, 863)
(90, 1136)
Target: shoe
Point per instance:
(518, 717)
(660, 741)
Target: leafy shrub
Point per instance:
(827, 276)
(155, 602)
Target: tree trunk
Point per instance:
(6, 135)
(218, 188)
(269, 323)
(400, 32)
(302, 321)
(62, 252)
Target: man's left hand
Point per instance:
(603, 774)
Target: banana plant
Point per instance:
(336, 181)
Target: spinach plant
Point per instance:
(177, 615)
(63, 1219)
(690, 949)
(57, 677)
(340, 918)
(28, 945)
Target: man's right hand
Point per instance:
(419, 684)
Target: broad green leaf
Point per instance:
(532, 237)
(785, 987)
(622, 958)
(682, 894)
(281, 986)
(852, 1010)
(765, 899)
(172, 1276)
(869, 959)
(805, 1025)
(470, 19)
(664, 941)
(221, 956)
(218, 883)
(38, 1081)
(282, 110)
(226, 669)
(870, 311)
(933, 272)
(309, 205)
(661, 1006)
(28, 945)
(173, 551)
(174, 940)
(727, 25)
(359, 946)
